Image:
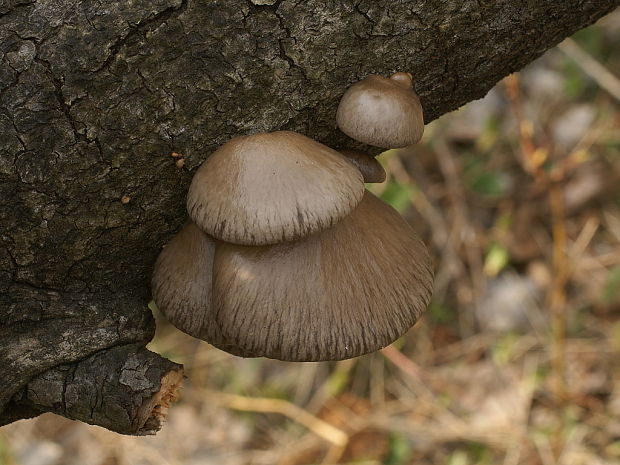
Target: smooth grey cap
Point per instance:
(338, 294)
(380, 111)
(272, 187)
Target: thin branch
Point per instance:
(266, 405)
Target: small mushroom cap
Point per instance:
(181, 286)
(272, 187)
(338, 294)
(380, 111)
(370, 168)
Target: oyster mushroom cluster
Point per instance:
(287, 255)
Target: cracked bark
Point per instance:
(125, 389)
(94, 96)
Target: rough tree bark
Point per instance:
(95, 96)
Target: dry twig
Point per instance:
(266, 405)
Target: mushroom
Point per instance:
(272, 187)
(346, 291)
(181, 282)
(380, 111)
(287, 256)
(182, 286)
(371, 169)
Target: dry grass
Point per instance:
(517, 360)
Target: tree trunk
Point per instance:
(96, 96)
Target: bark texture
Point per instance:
(125, 389)
(94, 98)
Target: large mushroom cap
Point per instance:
(181, 286)
(272, 187)
(343, 292)
(380, 111)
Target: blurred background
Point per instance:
(516, 361)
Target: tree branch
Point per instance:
(126, 389)
(95, 96)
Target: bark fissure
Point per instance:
(149, 23)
